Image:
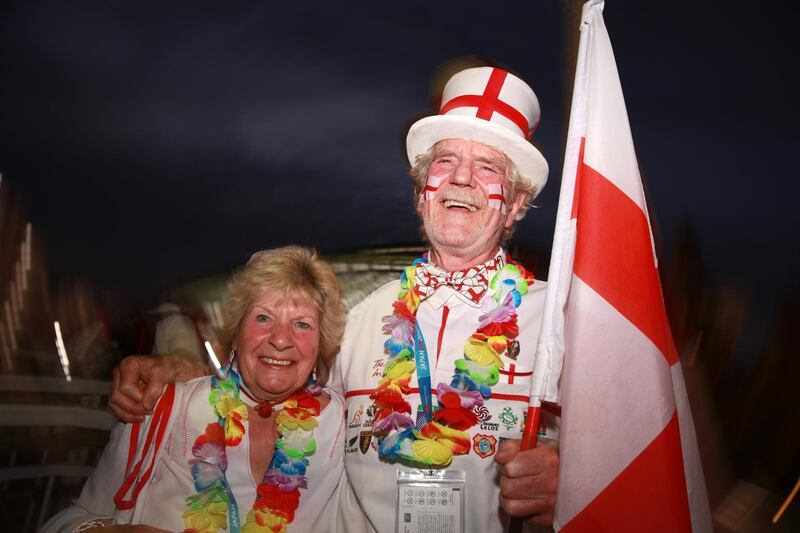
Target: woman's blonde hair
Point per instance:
(293, 273)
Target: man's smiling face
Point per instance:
(460, 216)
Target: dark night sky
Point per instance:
(157, 142)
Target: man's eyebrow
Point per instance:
(443, 153)
(496, 161)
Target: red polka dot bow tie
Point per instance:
(471, 282)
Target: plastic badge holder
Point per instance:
(430, 501)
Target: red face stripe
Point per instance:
(498, 197)
(488, 103)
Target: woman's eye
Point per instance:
(303, 325)
(262, 318)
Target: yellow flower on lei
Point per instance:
(258, 520)
(432, 452)
(412, 300)
(234, 412)
(400, 369)
(482, 353)
(455, 440)
(498, 344)
(228, 404)
(288, 422)
(208, 519)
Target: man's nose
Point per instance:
(462, 175)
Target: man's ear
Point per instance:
(514, 208)
(419, 203)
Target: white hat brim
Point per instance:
(426, 132)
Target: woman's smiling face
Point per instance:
(277, 346)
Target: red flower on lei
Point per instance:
(273, 498)
(401, 309)
(452, 414)
(307, 406)
(509, 329)
(389, 400)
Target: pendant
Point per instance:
(264, 409)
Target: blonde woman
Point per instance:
(256, 450)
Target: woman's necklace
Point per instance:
(278, 495)
(444, 435)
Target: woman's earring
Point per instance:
(232, 355)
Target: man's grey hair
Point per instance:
(519, 185)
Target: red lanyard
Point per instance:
(158, 425)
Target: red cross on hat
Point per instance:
(490, 106)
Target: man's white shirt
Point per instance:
(447, 320)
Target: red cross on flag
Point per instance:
(629, 459)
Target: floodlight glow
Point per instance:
(21, 285)
(214, 361)
(6, 350)
(62, 351)
(28, 230)
(10, 325)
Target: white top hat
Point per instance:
(490, 106)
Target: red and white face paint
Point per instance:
(463, 206)
(497, 197)
(431, 186)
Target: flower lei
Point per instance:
(278, 494)
(445, 435)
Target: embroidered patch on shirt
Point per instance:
(484, 445)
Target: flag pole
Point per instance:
(550, 346)
(786, 503)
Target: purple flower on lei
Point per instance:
(400, 329)
(469, 398)
(501, 312)
(393, 422)
(208, 465)
(285, 482)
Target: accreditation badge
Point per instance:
(430, 500)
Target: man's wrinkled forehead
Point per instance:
(481, 152)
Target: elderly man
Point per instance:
(436, 367)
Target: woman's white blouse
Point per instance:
(163, 498)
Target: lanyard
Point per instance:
(158, 425)
(423, 376)
(234, 524)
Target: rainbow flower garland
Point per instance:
(445, 435)
(278, 495)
